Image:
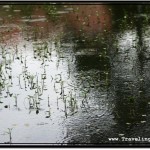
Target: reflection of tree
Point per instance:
(131, 94)
(142, 61)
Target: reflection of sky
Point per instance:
(21, 120)
(126, 57)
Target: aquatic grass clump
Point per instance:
(9, 132)
(31, 81)
(42, 51)
(73, 107)
(48, 113)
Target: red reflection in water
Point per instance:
(10, 34)
(90, 18)
(37, 26)
(41, 26)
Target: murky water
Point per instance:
(72, 76)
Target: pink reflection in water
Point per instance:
(90, 18)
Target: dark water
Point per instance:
(74, 74)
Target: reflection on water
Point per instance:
(69, 74)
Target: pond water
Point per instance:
(67, 78)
